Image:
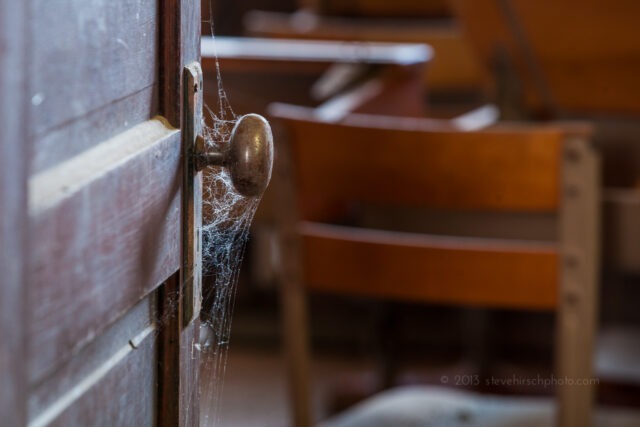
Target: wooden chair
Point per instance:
(579, 59)
(365, 160)
(572, 59)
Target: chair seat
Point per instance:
(427, 406)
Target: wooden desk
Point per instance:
(382, 78)
(455, 70)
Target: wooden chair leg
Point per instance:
(577, 314)
(293, 296)
(296, 345)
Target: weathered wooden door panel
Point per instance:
(109, 382)
(114, 238)
(94, 69)
(93, 160)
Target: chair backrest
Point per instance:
(572, 57)
(424, 163)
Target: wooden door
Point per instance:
(90, 183)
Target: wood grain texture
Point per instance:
(106, 53)
(180, 29)
(66, 141)
(124, 396)
(103, 211)
(112, 217)
(579, 278)
(54, 395)
(171, 61)
(178, 398)
(444, 270)
(383, 160)
(14, 149)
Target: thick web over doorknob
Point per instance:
(249, 157)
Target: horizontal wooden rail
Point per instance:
(407, 266)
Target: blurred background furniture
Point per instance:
(588, 49)
(331, 172)
(455, 77)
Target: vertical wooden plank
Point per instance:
(190, 27)
(180, 45)
(579, 277)
(14, 149)
(292, 292)
(169, 358)
(179, 361)
(171, 60)
(191, 270)
(119, 362)
(189, 376)
(179, 400)
(173, 381)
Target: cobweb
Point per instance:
(227, 216)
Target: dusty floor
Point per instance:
(255, 395)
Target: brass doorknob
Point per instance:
(249, 157)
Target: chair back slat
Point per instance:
(418, 163)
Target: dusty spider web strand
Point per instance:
(220, 325)
(224, 107)
(225, 239)
(225, 234)
(218, 320)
